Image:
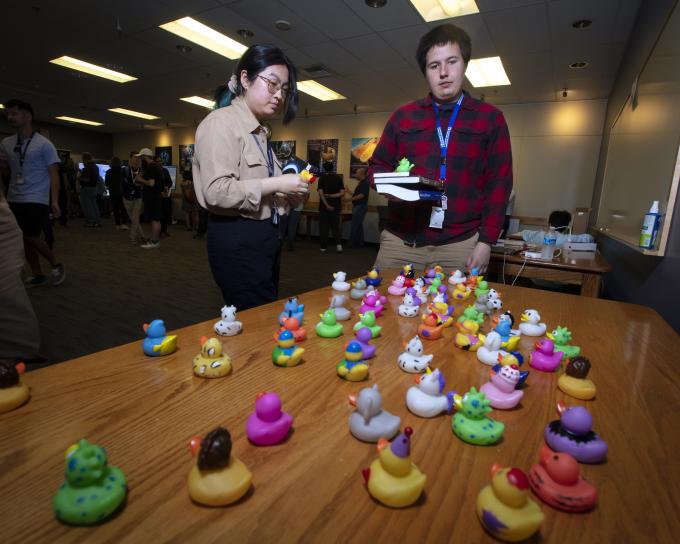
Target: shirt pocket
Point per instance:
(470, 144)
(253, 166)
(414, 142)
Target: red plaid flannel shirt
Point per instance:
(478, 171)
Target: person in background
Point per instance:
(331, 190)
(151, 178)
(88, 179)
(166, 199)
(290, 222)
(114, 180)
(73, 204)
(189, 203)
(560, 221)
(359, 207)
(63, 194)
(132, 198)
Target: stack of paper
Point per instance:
(404, 186)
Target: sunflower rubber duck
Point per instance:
(211, 362)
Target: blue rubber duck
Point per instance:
(292, 309)
(157, 342)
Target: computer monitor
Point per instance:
(173, 175)
(103, 168)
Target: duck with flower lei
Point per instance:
(427, 397)
(369, 422)
(461, 292)
(468, 336)
(443, 311)
(228, 325)
(470, 422)
(561, 336)
(368, 320)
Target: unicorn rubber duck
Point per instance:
(292, 309)
(545, 358)
(337, 303)
(468, 336)
(371, 303)
(398, 286)
(363, 337)
(328, 327)
(489, 351)
(291, 324)
(352, 368)
(287, 353)
(373, 277)
(531, 324)
(228, 326)
(456, 278)
(368, 320)
(431, 327)
(412, 359)
(369, 422)
(157, 342)
(340, 283)
(427, 397)
(268, 424)
(211, 362)
(358, 289)
(500, 390)
(409, 307)
(574, 382)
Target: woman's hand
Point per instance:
(288, 184)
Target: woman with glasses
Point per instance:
(238, 179)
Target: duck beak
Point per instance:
(537, 345)
(495, 468)
(495, 320)
(352, 399)
(21, 367)
(561, 407)
(195, 445)
(203, 340)
(417, 379)
(524, 317)
(145, 327)
(382, 444)
(550, 335)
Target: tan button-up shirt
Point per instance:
(229, 167)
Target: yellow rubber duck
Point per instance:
(13, 392)
(211, 362)
(461, 292)
(504, 507)
(218, 478)
(352, 368)
(287, 353)
(468, 336)
(392, 478)
(574, 382)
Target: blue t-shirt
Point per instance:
(39, 155)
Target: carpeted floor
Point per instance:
(112, 287)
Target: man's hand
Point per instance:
(479, 258)
(56, 212)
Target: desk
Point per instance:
(144, 410)
(580, 268)
(309, 215)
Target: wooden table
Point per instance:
(313, 215)
(144, 410)
(575, 267)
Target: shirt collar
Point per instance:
(250, 123)
(468, 101)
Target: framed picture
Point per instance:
(362, 149)
(165, 153)
(283, 149)
(322, 151)
(186, 155)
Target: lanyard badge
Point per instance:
(444, 140)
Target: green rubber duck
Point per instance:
(328, 327)
(368, 319)
(404, 165)
(561, 337)
(471, 314)
(482, 288)
(471, 424)
(93, 491)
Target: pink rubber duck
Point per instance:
(398, 286)
(363, 337)
(545, 357)
(371, 302)
(268, 424)
(501, 389)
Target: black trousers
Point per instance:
(166, 217)
(326, 219)
(245, 258)
(119, 213)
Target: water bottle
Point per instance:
(650, 227)
(549, 243)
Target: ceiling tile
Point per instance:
(333, 18)
(374, 51)
(521, 30)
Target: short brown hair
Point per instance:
(441, 35)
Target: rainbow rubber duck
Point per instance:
(93, 491)
(561, 336)
(373, 277)
(427, 397)
(544, 357)
(472, 314)
(412, 359)
(363, 337)
(337, 302)
(573, 434)
(13, 391)
(461, 292)
(368, 320)
(340, 282)
(468, 337)
(292, 308)
(398, 287)
(501, 389)
(509, 339)
(556, 479)
(531, 323)
(371, 303)
(431, 327)
(211, 362)
(369, 422)
(504, 507)
(574, 382)
(359, 289)
(457, 277)
(352, 368)
(328, 327)
(471, 424)
(287, 354)
(514, 358)
(157, 342)
(293, 325)
(393, 479)
(268, 424)
(218, 478)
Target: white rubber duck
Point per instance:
(408, 308)
(489, 351)
(337, 303)
(340, 283)
(358, 289)
(421, 290)
(412, 360)
(228, 326)
(531, 324)
(427, 397)
(457, 277)
(369, 422)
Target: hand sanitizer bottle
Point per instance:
(650, 227)
(549, 243)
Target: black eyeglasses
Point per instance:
(274, 87)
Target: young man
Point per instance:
(330, 190)
(151, 177)
(132, 197)
(32, 165)
(449, 136)
(359, 207)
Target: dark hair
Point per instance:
(114, 162)
(441, 35)
(559, 219)
(20, 105)
(254, 61)
(328, 167)
(87, 157)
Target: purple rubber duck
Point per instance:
(363, 337)
(573, 434)
(268, 424)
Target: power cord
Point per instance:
(521, 269)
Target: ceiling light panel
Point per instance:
(488, 72)
(198, 33)
(81, 121)
(318, 91)
(132, 113)
(92, 69)
(435, 10)
(199, 101)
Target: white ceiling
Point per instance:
(370, 52)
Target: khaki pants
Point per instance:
(395, 254)
(134, 210)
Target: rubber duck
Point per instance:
(358, 289)
(441, 296)
(434, 286)
(456, 278)
(472, 314)
(544, 357)
(514, 358)
(93, 490)
(439, 272)
(509, 337)
(371, 303)
(561, 336)
(530, 324)
(217, 478)
(409, 274)
(393, 479)
(328, 327)
(501, 389)
(431, 327)
(368, 320)
(369, 422)
(371, 290)
(340, 282)
(573, 434)
(443, 311)
(408, 307)
(473, 279)
(211, 362)
(490, 349)
(228, 326)
(467, 337)
(398, 286)
(157, 342)
(427, 397)
(352, 368)
(287, 353)
(461, 292)
(293, 325)
(482, 289)
(504, 507)
(412, 359)
(337, 302)
(556, 479)
(373, 277)
(404, 165)
(363, 337)
(471, 424)
(430, 274)
(268, 424)
(574, 382)
(292, 309)
(13, 391)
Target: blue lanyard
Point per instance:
(444, 141)
(267, 156)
